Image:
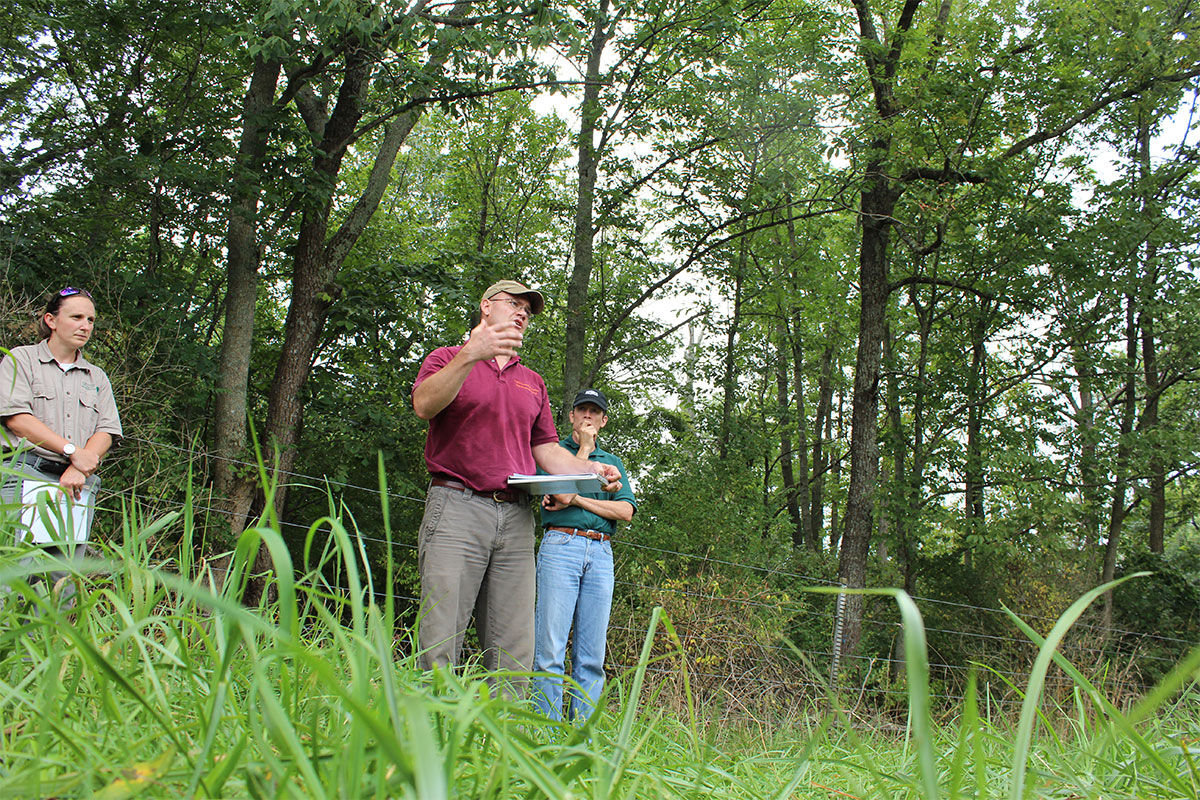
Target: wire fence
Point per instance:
(738, 639)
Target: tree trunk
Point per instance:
(1117, 510)
(804, 535)
(803, 484)
(900, 513)
(234, 496)
(835, 470)
(691, 358)
(822, 428)
(315, 268)
(319, 258)
(578, 311)
(785, 432)
(1089, 469)
(1149, 422)
(487, 179)
(973, 478)
(728, 379)
(878, 203)
(1157, 466)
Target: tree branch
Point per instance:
(635, 347)
(921, 280)
(1096, 107)
(946, 174)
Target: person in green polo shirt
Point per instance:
(575, 573)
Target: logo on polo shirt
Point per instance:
(527, 387)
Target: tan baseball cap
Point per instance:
(536, 301)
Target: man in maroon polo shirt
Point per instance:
(489, 417)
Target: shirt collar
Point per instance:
(569, 442)
(45, 356)
(496, 365)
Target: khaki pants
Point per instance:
(476, 555)
(11, 489)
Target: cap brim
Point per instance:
(537, 303)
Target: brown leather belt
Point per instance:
(500, 495)
(588, 534)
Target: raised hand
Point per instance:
(492, 341)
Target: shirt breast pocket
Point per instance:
(42, 390)
(89, 410)
(42, 400)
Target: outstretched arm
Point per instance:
(557, 460)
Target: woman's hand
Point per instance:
(85, 461)
(72, 481)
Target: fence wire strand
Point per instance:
(297, 479)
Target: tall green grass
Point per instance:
(160, 682)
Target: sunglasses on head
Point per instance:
(71, 291)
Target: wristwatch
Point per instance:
(68, 449)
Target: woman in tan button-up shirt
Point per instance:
(57, 409)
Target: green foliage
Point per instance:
(734, 139)
(159, 682)
(1158, 617)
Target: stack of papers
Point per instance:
(48, 515)
(556, 484)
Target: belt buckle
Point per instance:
(496, 496)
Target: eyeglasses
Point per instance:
(70, 291)
(515, 305)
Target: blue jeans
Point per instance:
(574, 588)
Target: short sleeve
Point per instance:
(625, 492)
(543, 431)
(16, 388)
(109, 420)
(432, 364)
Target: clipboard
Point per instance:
(584, 483)
(48, 516)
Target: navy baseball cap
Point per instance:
(591, 396)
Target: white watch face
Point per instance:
(68, 450)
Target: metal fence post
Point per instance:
(839, 619)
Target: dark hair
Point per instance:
(54, 303)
